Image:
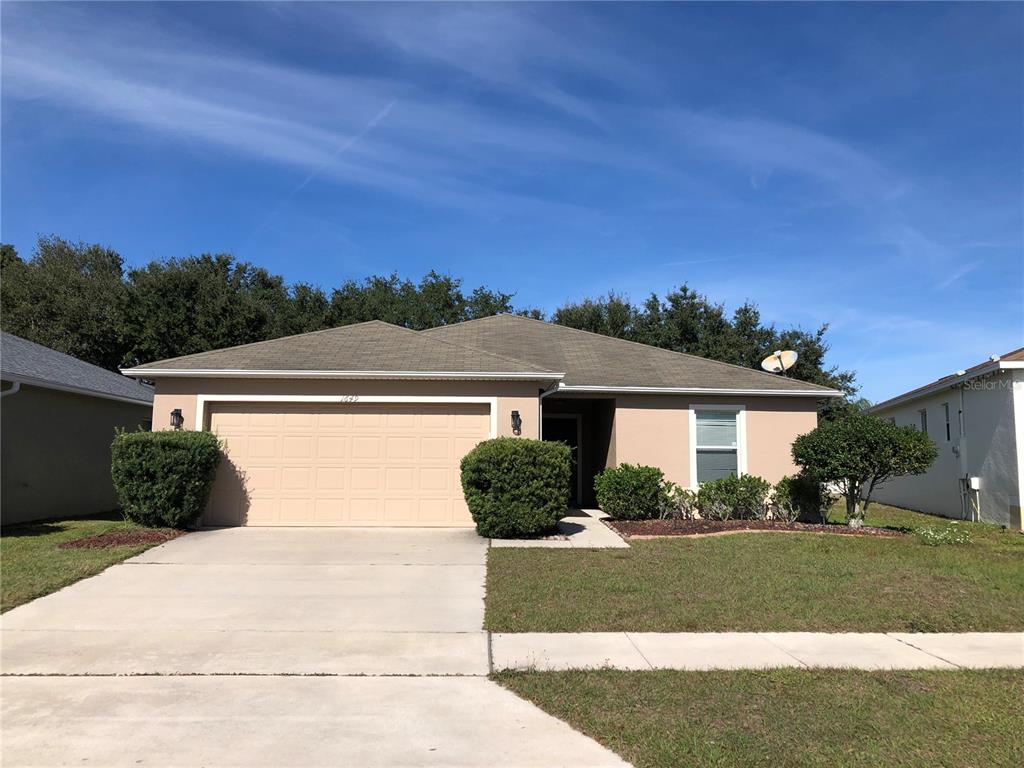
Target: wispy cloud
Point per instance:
(957, 275)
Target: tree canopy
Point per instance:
(78, 298)
(859, 452)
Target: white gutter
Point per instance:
(571, 388)
(221, 373)
(540, 408)
(43, 384)
(15, 386)
(938, 386)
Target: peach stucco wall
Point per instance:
(646, 429)
(181, 393)
(655, 430)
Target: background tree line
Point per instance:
(79, 299)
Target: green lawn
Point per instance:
(790, 717)
(31, 565)
(766, 582)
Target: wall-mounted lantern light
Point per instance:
(517, 423)
(177, 420)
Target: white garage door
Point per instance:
(338, 465)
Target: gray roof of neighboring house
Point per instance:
(374, 348)
(503, 346)
(1013, 359)
(593, 360)
(33, 364)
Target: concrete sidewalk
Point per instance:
(756, 650)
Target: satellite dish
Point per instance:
(779, 361)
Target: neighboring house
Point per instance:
(366, 424)
(58, 415)
(976, 418)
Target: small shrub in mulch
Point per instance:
(112, 539)
(645, 528)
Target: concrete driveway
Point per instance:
(258, 646)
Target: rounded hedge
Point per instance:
(164, 478)
(516, 486)
(631, 492)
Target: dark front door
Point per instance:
(566, 429)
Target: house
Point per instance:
(976, 418)
(365, 424)
(58, 415)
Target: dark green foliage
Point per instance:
(69, 297)
(437, 300)
(740, 497)
(77, 299)
(516, 487)
(687, 321)
(858, 452)
(183, 306)
(631, 492)
(164, 478)
(801, 497)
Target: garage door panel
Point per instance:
(332, 447)
(365, 479)
(331, 478)
(329, 510)
(300, 420)
(399, 479)
(366, 447)
(262, 447)
(316, 464)
(434, 478)
(401, 447)
(362, 420)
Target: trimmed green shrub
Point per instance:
(631, 492)
(859, 452)
(729, 497)
(164, 478)
(516, 487)
(801, 497)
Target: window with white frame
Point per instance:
(717, 444)
(923, 416)
(945, 410)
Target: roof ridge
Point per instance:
(515, 360)
(630, 341)
(536, 368)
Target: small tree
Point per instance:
(858, 452)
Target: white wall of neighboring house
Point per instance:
(986, 440)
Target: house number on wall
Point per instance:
(350, 398)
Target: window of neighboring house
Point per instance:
(923, 414)
(717, 445)
(945, 411)
(892, 420)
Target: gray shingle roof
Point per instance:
(372, 347)
(592, 360)
(31, 363)
(504, 345)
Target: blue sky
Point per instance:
(853, 164)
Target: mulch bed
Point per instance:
(122, 539)
(643, 529)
